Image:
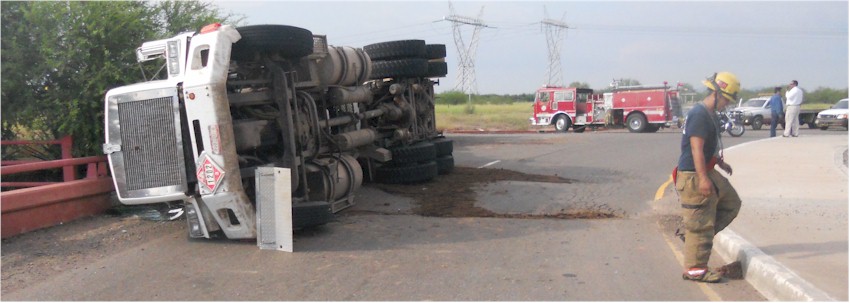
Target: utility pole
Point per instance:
(466, 53)
(554, 30)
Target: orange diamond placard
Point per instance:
(209, 175)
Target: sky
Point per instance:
(765, 43)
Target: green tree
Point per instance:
(175, 17)
(578, 84)
(452, 97)
(60, 58)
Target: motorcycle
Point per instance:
(731, 123)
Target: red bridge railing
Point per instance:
(42, 204)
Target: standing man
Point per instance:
(794, 97)
(709, 202)
(775, 104)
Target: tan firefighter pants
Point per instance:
(704, 217)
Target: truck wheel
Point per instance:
(445, 165)
(405, 68)
(757, 123)
(435, 51)
(636, 123)
(651, 128)
(396, 50)
(562, 123)
(579, 128)
(444, 146)
(288, 41)
(407, 173)
(419, 152)
(437, 69)
(311, 214)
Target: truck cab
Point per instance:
(561, 107)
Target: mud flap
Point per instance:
(274, 208)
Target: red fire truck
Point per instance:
(639, 108)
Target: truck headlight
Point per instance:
(173, 58)
(841, 116)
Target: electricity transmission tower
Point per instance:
(466, 53)
(554, 30)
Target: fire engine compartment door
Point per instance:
(581, 104)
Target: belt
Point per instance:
(709, 166)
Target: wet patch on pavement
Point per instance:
(456, 195)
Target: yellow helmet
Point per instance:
(726, 82)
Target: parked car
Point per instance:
(834, 116)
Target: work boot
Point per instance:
(701, 275)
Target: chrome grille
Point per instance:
(151, 149)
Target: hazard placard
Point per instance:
(209, 175)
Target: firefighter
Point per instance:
(709, 202)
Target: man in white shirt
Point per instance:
(793, 97)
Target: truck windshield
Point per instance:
(841, 104)
(543, 97)
(754, 103)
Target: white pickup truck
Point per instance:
(756, 113)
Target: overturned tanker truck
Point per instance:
(236, 105)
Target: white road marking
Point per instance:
(491, 163)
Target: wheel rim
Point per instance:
(737, 130)
(561, 123)
(635, 123)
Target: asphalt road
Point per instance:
(381, 250)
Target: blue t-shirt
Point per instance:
(698, 123)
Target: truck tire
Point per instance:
(445, 165)
(311, 214)
(758, 121)
(435, 51)
(437, 69)
(407, 173)
(651, 128)
(812, 125)
(288, 41)
(392, 50)
(562, 123)
(444, 147)
(405, 68)
(419, 152)
(579, 129)
(636, 123)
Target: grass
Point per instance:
(484, 116)
(815, 106)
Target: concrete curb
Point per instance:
(769, 277)
(772, 279)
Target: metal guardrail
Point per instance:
(44, 204)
